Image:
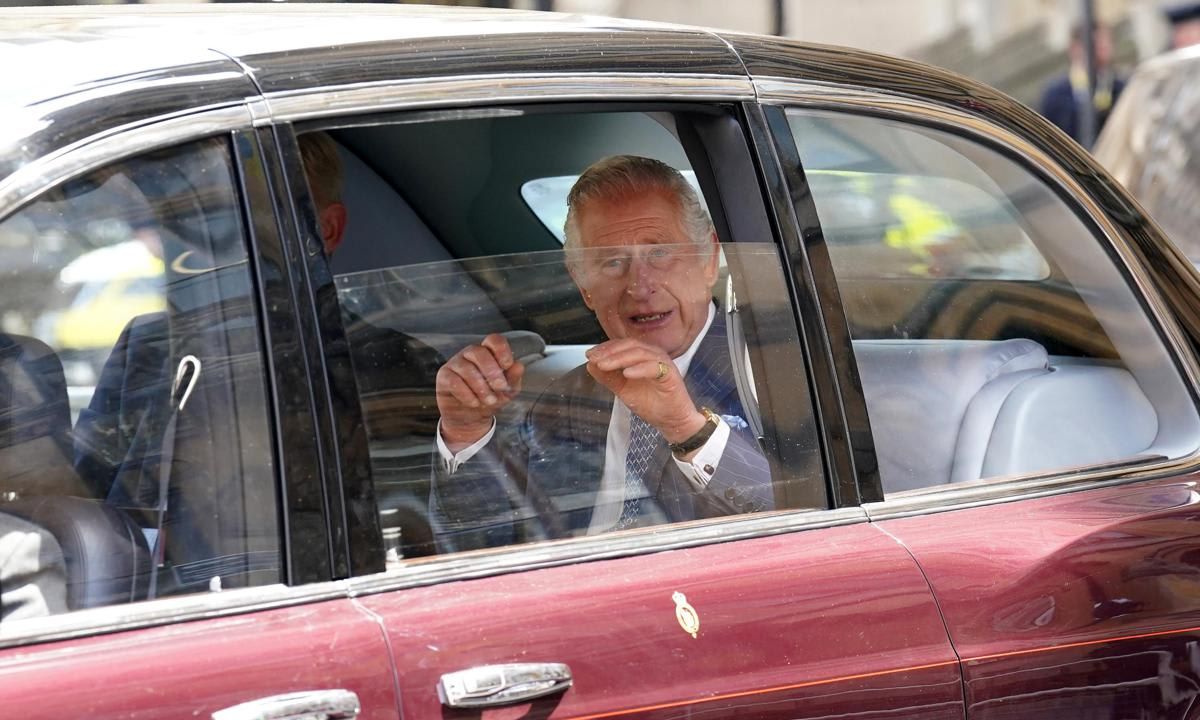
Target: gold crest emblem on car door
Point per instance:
(687, 616)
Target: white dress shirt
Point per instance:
(699, 470)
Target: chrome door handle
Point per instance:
(310, 705)
(502, 684)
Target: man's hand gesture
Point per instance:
(647, 381)
(473, 386)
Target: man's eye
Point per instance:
(659, 253)
(613, 262)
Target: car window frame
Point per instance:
(780, 94)
(305, 576)
(320, 108)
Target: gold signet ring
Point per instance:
(662, 370)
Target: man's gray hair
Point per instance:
(621, 176)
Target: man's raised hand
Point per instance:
(473, 386)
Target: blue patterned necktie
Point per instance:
(642, 440)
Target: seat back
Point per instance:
(1077, 415)
(918, 393)
(103, 551)
(105, 554)
(35, 421)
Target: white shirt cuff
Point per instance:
(452, 461)
(703, 465)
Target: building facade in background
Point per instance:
(1015, 45)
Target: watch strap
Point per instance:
(698, 438)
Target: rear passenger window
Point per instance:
(135, 456)
(524, 371)
(994, 334)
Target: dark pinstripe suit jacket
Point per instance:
(541, 479)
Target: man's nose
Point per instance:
(642, 280)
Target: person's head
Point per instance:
(1101, 36)
(642, 250)
(1185, 24)
(323, 170)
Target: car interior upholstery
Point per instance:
(104, 552)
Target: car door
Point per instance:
(1030, 404)
(161, 510)
(804, 611)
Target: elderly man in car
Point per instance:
(650, 429)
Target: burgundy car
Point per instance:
(965, 356)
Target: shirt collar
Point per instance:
(684, 361)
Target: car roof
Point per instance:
(173, 59)
(278, 44)
(170, 59)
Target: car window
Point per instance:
(135, 455)
(547, 198)
(466, 267)
(892, 224)
(993, 334)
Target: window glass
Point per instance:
(547, 198)
(885, 224)
(486, 426)
(1015, 346)
(895, 214)
(135, 455)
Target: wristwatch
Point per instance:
(698, 438)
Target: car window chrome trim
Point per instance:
(822, 96)
(470, 90)
(990, 491)
(522, 558)
(164, 611)
(92, 152)
(423, 572)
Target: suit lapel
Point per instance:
(710, 371)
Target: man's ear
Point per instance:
(587, 296)
(333, 225)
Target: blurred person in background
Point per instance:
(1066, 95)
(1185, 25)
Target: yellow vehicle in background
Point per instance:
(115, 284)
(102, 289)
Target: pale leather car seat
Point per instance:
(918, 393)
(945, 411)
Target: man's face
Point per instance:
(1102, 38)
(640, 273)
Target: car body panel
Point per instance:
(1080, 602)
(1041, 596)
(804, 624)
(226, 662)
